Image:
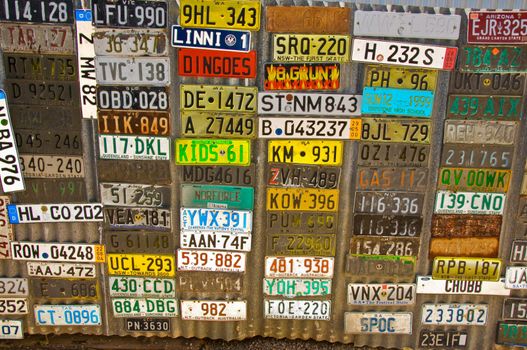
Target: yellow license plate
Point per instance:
(220, 98)
(472, 269)
(152, 265)
(400, 78)
(311, 48)
(305, 152)
(302, 199)
(217, 152)
(203, 124)
(229, 14)
(390, 130)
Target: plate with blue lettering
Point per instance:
(68, 315)
(400, 102)
(216, 220)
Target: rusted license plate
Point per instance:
(398, 246)
(397, 179)
(218, 174)
(490, 58)
(39, 117)
(153, 172)
(300, 199)
(486, 247)
(130, 42)
(389, 130)
(462, 225)
(400, 78)
(32, 38)
(393, 154)
(387, 225)
(6, 230)
(137, 218)
(134, 195)
(64, 289)
(303, 176)
(49, 190)
(476, 180)
(40, 67)
(214, 196)
(301, 244)
(302, 76)
(201, 282)
(152, 98)
(41, 141)
(487, 83)
(31, 92)
(44, 166)
(480, 131)
(389, 203)
(380, 265)
(139, 242)
(134, 123)
(512, 333)
(222, 125)
(484, 107)
(294, 222)
(308, 19)
(477, 156)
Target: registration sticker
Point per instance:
(68, 252)
(10, 169)
(208, 151)
(67, 315)
(148, 265)
(302, 76)
(315, 152)
(229, 14)
(469, 269)
(213, 310)
(39, 213)
(298, 309)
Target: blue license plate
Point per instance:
(216, 220)
(400, 102)
(211, 39)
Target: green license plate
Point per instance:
(217, 196)
(484, 107)
(490, 58)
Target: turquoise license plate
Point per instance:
(400, 102)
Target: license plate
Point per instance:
(314, 152)
(516, 277)
(135, 195)
(206, 260)
(85, 56)
(225, 40)
(399, 102)
(381, 294)
(455, 314)
(13, 287)
(397, 179)
(398, 246)
(31, 38)
(224, 64)
(393, 154)
(125, 307)
(155, 172)
(300, 199)
(296, 287)
(387, 225)
(390, 203)
(311, 48)
(380, 265)
(29, 92)
(506, 27)
(137, 14)
(295, 222)
(213, 310)
(303, 176)
(442, 339)
(61, 270)
(301, 244)
(67, 315)
(493, 58)
(213, 196)
(469, 269)
(229, 14)
(481, 247)
(409, 25)
(300, 266)
(487, 83)
(6, 230)
(518, 251)
(35, 141)
(11, 329)
(218, 152)
(302, 76)
(239, 221)
(134, 70)
(40, 67)
(307, 19)
(309, 104)
(68, 252)
(375, 322)
(49, 190)
(448, 202)
(219, 98)
(466, 225)
(138, 218)
(221, 175)
(387, 130)
(134, 123)
(511, 333)
(39, 117)
(130, 42)
(479, 131)
(400, 78)
(152, 98)
(13, 306)
(215, 240)
(298, 309)
(147, 325)
(309, 128)
(37, 11)
(40, 213)
(134, 147)
(514, 309)
(147, 265)
(199, 282)
(483, 180)
(428, 285)
(483, 107)
(404, 54)
(10, 167)
(204, 124)
(139, 242)
(64, 289)
(44, 166)
(477, 156)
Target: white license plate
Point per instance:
(13, 306)
(130, 42)
(68, 252)
(455, 314)
(516, 277)
(67, 315)
(11, 329)
(61, 270)
(45, 167)
(206, 260)
(215, 240)
(86, 54)
(381, 294)
(216, 220)
(296, 287)
(427, 285)
(10, 168)
(11, 287)
(299, 266)
(6, 229)
(498, 132)
(378, 322)
(40, 213)
(213, 310)
(134, 195)
(404, 54)
(309, 128)
(139, 287)
(134, 147)
(469, 203)
(293, 103)
(298, 309)
(128, 71)
(130, 307)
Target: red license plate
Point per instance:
(225, 64)
(497, 27)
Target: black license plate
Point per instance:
(389, 203)
(45, 117)
(139, 242)
(477, 156)
(64, 289)
(53, 190)
(396, 179)
(40, 67)
(397, 246)
(487, 83)
(221, 175)
(381, 225)
(442, 339)
(65, 93)
(484, 107)
(393, 154)
(154, 98)
(301, 244)
(289, 222)
(37, 11)
(127, 14)
(147, 324)
(50, 142)
(303, 176)
(490, 58)
(135, 171)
